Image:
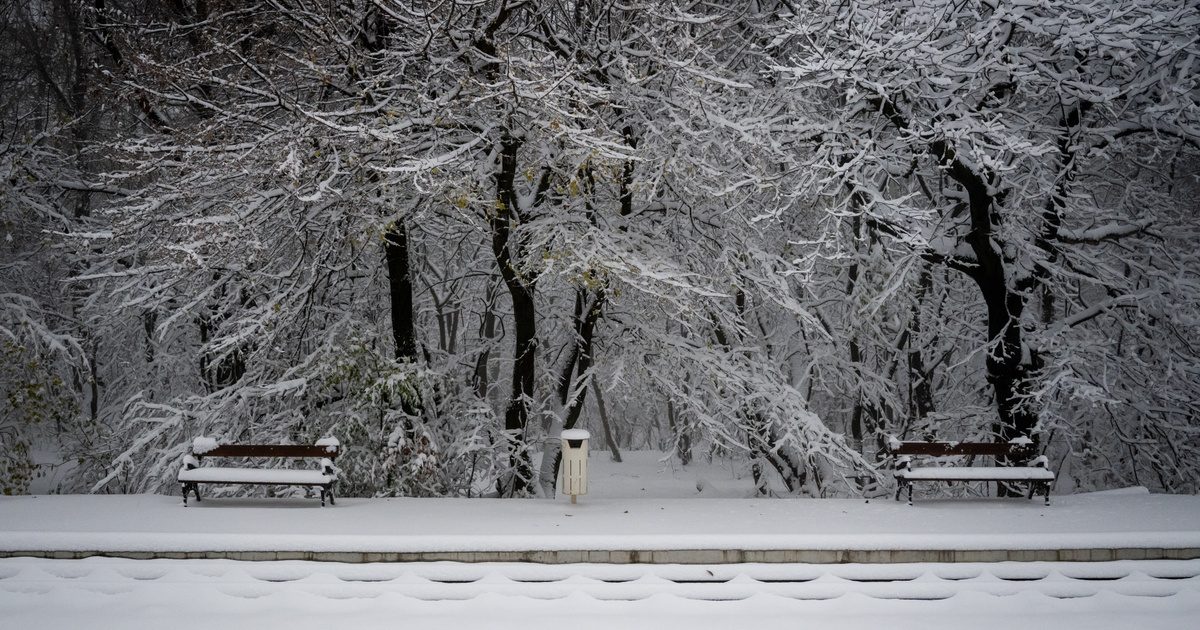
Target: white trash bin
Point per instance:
(574, 462)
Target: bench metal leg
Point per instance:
(194, 488)
(909, 492)
(1042, 488)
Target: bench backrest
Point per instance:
(295, 451)
(938, 449)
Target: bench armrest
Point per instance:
(1041, 461)
(190, 462)
(904, 462)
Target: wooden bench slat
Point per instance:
(296, 451)
(934, 449)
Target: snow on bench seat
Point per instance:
(977, 473)
(214, 474)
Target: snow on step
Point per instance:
(183, 594)
(255, 475)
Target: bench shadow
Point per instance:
(1006, 502)
(289, 503)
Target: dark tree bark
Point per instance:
(481, 379)
(395, 247)
(919, 377)
(856, 416)
(1009, 366)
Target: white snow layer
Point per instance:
(214, 474)
(202, 445)
(161, 523)
(968, 473)
(184, 594)
(576, 434)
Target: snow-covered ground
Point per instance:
(641, 504)
(99, 593)
(161, 523)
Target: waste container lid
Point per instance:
(575, 434)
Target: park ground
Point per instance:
(652, 545)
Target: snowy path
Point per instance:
(180, 594)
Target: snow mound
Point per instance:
(202, 445)
(1118, 491)
(575, 434)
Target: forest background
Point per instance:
(770, 231)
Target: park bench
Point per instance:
(1036, 475)
(192, 474)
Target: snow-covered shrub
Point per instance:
(405, 430)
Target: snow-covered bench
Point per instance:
(1036, 475)
(192, 474)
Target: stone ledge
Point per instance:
(658, 556)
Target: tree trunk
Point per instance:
(487, 334)
(516, 413)
(921, 401)
(395, 247)
(683, 443)
(856, 416)
(404, 338)
(1010, 365)
(608, 436)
